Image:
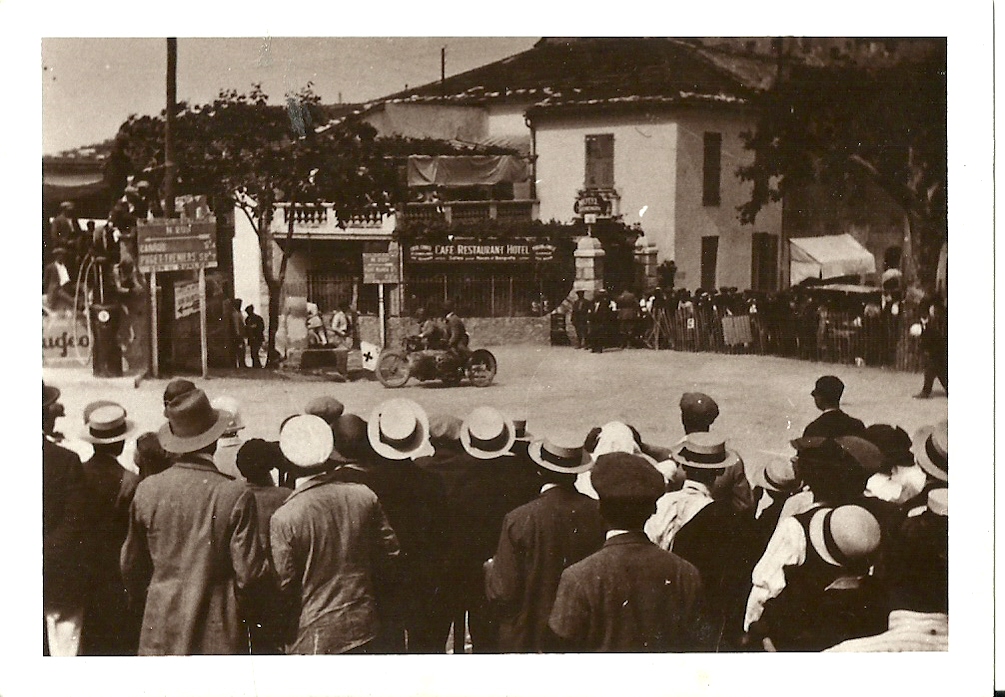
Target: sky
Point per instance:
(91, 85)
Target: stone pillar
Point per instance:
(645, 264)
(589, 266)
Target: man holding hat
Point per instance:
(66, 556)
(193, 541)
(111, 628)
(630, 595)
(331, 546)
(832, 422)
(539, 540)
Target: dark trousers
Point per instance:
(581, 328)
(936, 367)
(256, 347)
(239, 353)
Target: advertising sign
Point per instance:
(380, 268)
(186, 299)
(468, 251)
(176, 244)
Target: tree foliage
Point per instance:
(242, 149)
(846, 126)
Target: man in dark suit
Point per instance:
(539, 540)
(833, 422)
(630, 595)
(935, 344)
(581, 317)
(65, 551)
(111, 627)
(380, 454)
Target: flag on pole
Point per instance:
(369, 352)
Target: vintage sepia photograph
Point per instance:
(503, 346)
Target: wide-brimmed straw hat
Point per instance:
(307, 443)
(487, 433)
(192, 424)
(779, 475)
(398, 429)
(931, 449)
(704, 451)
(846, 536)
(559, 458)
(105, 423)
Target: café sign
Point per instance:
(461, 251)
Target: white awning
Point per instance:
(831, 256)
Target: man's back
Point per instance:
(66, 511)
(539, 540)
(833, 424)
(330, 542)
(628, 596)
(193, 534)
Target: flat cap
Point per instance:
(328, 408)
(620, 476)
(699, 406)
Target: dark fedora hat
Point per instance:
(175, 388)
(559, 458)
(192, 424)
(50, 395)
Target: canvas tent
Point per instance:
(830, 256)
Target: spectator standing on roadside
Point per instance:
(254, 330)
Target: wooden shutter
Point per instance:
(709, 260)
(764, 261)
(712, 171)
(600, 161)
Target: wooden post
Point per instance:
(155, 351)
(203, 350)
(380, 314)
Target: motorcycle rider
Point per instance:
(457, 335)
(430, 335)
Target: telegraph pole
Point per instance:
(172, 98)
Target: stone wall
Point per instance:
(484, 331)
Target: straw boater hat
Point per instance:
(487, 433)
(306, 441)
(106, 423)
(931, 448)
(846, 536)
(398, 429)
(230, 405)
(780, 475)
(192, 424)
(704, 451)
(559, 458)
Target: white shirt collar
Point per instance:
(697, 487)
(615, 533)
(549, 485)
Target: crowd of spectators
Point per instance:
(402, 532)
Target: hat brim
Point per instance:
(921, 454)
(731, 459)
(130, 428)
(476, 452)
(179, 445)
(421, 448)
(50, 395)
(534, 451)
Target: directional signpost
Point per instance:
(176, 244)
(381, 268)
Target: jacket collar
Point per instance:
(313, 483)
(199, 462)
(632, 537)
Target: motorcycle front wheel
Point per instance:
(392, 368)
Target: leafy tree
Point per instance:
(847, 125)
(243, 150)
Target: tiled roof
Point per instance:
(581, 70)
(588, 71)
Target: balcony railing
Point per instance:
(471, 211)
(321, 219)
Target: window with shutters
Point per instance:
(764, 261)
(709, 261)
(712, 172)
(600, 161)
